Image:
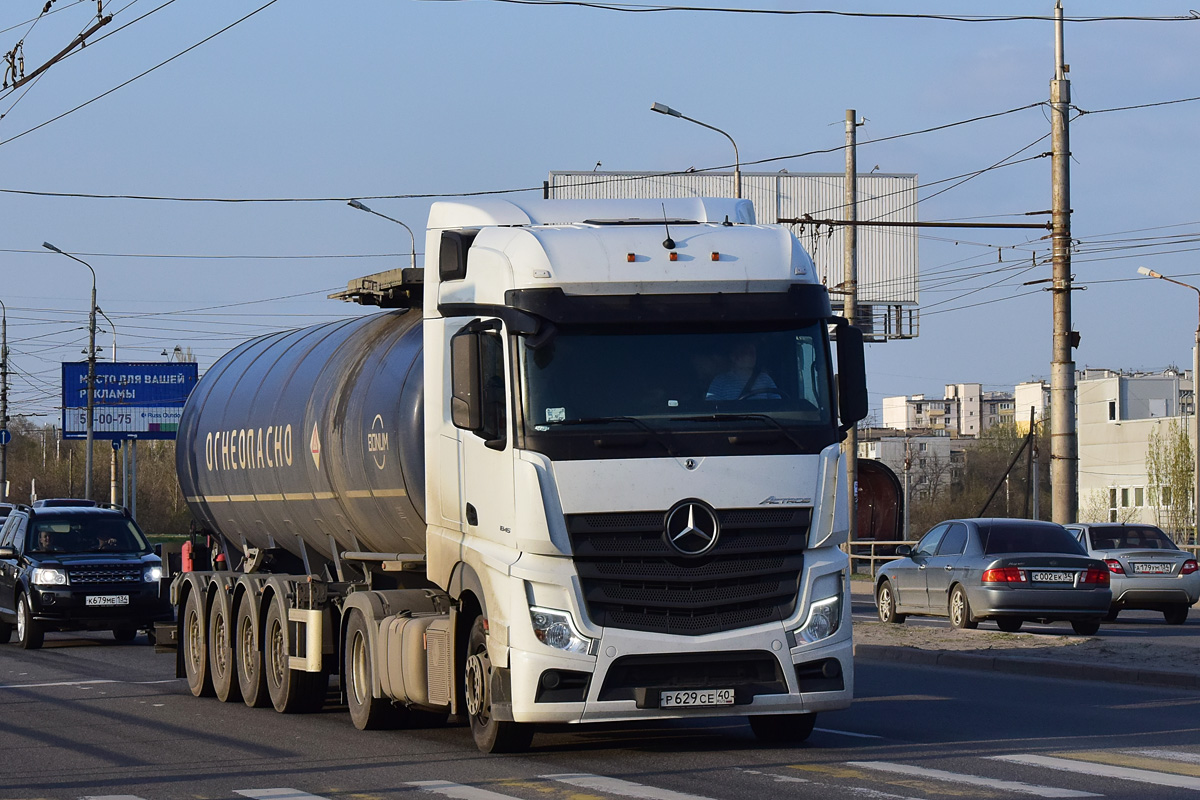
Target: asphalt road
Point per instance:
(88, 718)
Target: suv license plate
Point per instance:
(1153, 568)
(1052, 577)
(693, 698)
(108, 600)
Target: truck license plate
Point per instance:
(108, 600)
(1052, 577)
(1153, 568)
(694, 698)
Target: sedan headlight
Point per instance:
(824, 618)
(152, 573)
(50, 576)
(557, 629)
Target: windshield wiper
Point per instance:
(734, 417)
(637, 423)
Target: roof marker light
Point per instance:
(630, 257)
(715, 256)
(674, 256)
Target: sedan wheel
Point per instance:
(960, 610)
(885, 601)
(1085, 627)
(1009, 624)
(1176, 614)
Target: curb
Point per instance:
(1033, 667)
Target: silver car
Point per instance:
(1009, 570)
(1148, 571)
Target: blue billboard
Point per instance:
(132, 400)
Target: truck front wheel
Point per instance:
(491, 735)
(358, 672)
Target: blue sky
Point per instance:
(311, 99)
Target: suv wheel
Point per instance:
(29, 633)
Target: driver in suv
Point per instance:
(76, 568)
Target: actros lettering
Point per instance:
(249, 448)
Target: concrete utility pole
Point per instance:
(91, 379)
(4, 434)
(1064, 445)
(112, 481)
(850, 302)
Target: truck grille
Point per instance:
(632, 579)
(104, 575)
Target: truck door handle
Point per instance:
(472, 515)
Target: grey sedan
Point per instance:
(1148, 571)
(1009, 570)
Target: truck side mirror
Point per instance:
(466, 410)
(852, 376)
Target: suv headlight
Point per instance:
(49, 576)
(152, 573)
(824, 618)
(556, 629)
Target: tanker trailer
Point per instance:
(579, 473)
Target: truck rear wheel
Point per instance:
(292, 691)
(491, 735)
(195, 646)
(358, 674)
(248, 658)
(220, 651)
(783, 727)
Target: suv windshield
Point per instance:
(86, 534)
(678, 379)
(1001, 538)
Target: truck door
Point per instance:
(487, 441)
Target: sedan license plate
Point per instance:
(695, 698)
(108, 600)
(1052, 577)
(1154, 568)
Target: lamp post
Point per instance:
(737, 161)
(1195, 395)
(4, 434)
(361, 207)
(112, 481)
(91, 379)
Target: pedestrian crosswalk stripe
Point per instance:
(971, 780)
(1168, 755)
(616, 786)
(458, 791)
(1105, 770)
(277, 794)
(110, 797)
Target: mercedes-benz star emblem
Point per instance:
(692, 528)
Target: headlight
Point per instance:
(152, 573)
(824, 618)
(557, 629)
(50, 576)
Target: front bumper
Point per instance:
(66, 607)
(625, 681)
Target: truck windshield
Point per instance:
(671, 381)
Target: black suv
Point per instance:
(80, 568)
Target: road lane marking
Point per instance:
(1176, 766)
(1168, 755)
(848, 733)
(59, 683)
(970, 780)
(617, 786)
(459, 791)
(774, 777)
(110, 797)
(277, 794)
(1101, 770)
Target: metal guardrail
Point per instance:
(868, 550)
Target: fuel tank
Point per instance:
(312, 435)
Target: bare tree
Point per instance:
(1169, 470)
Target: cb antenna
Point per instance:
(668, 243)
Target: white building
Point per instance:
(965, 410)
(932, 464)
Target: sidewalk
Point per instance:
(1037, 655)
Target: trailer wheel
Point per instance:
(221, 663)
(248, 657)
(195, 646)
(368, 712)
(491, 735)
(292, 691)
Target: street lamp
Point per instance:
(361, 207)
(112, 466)
(737, 162)
(1195, 394)
(91, 380)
